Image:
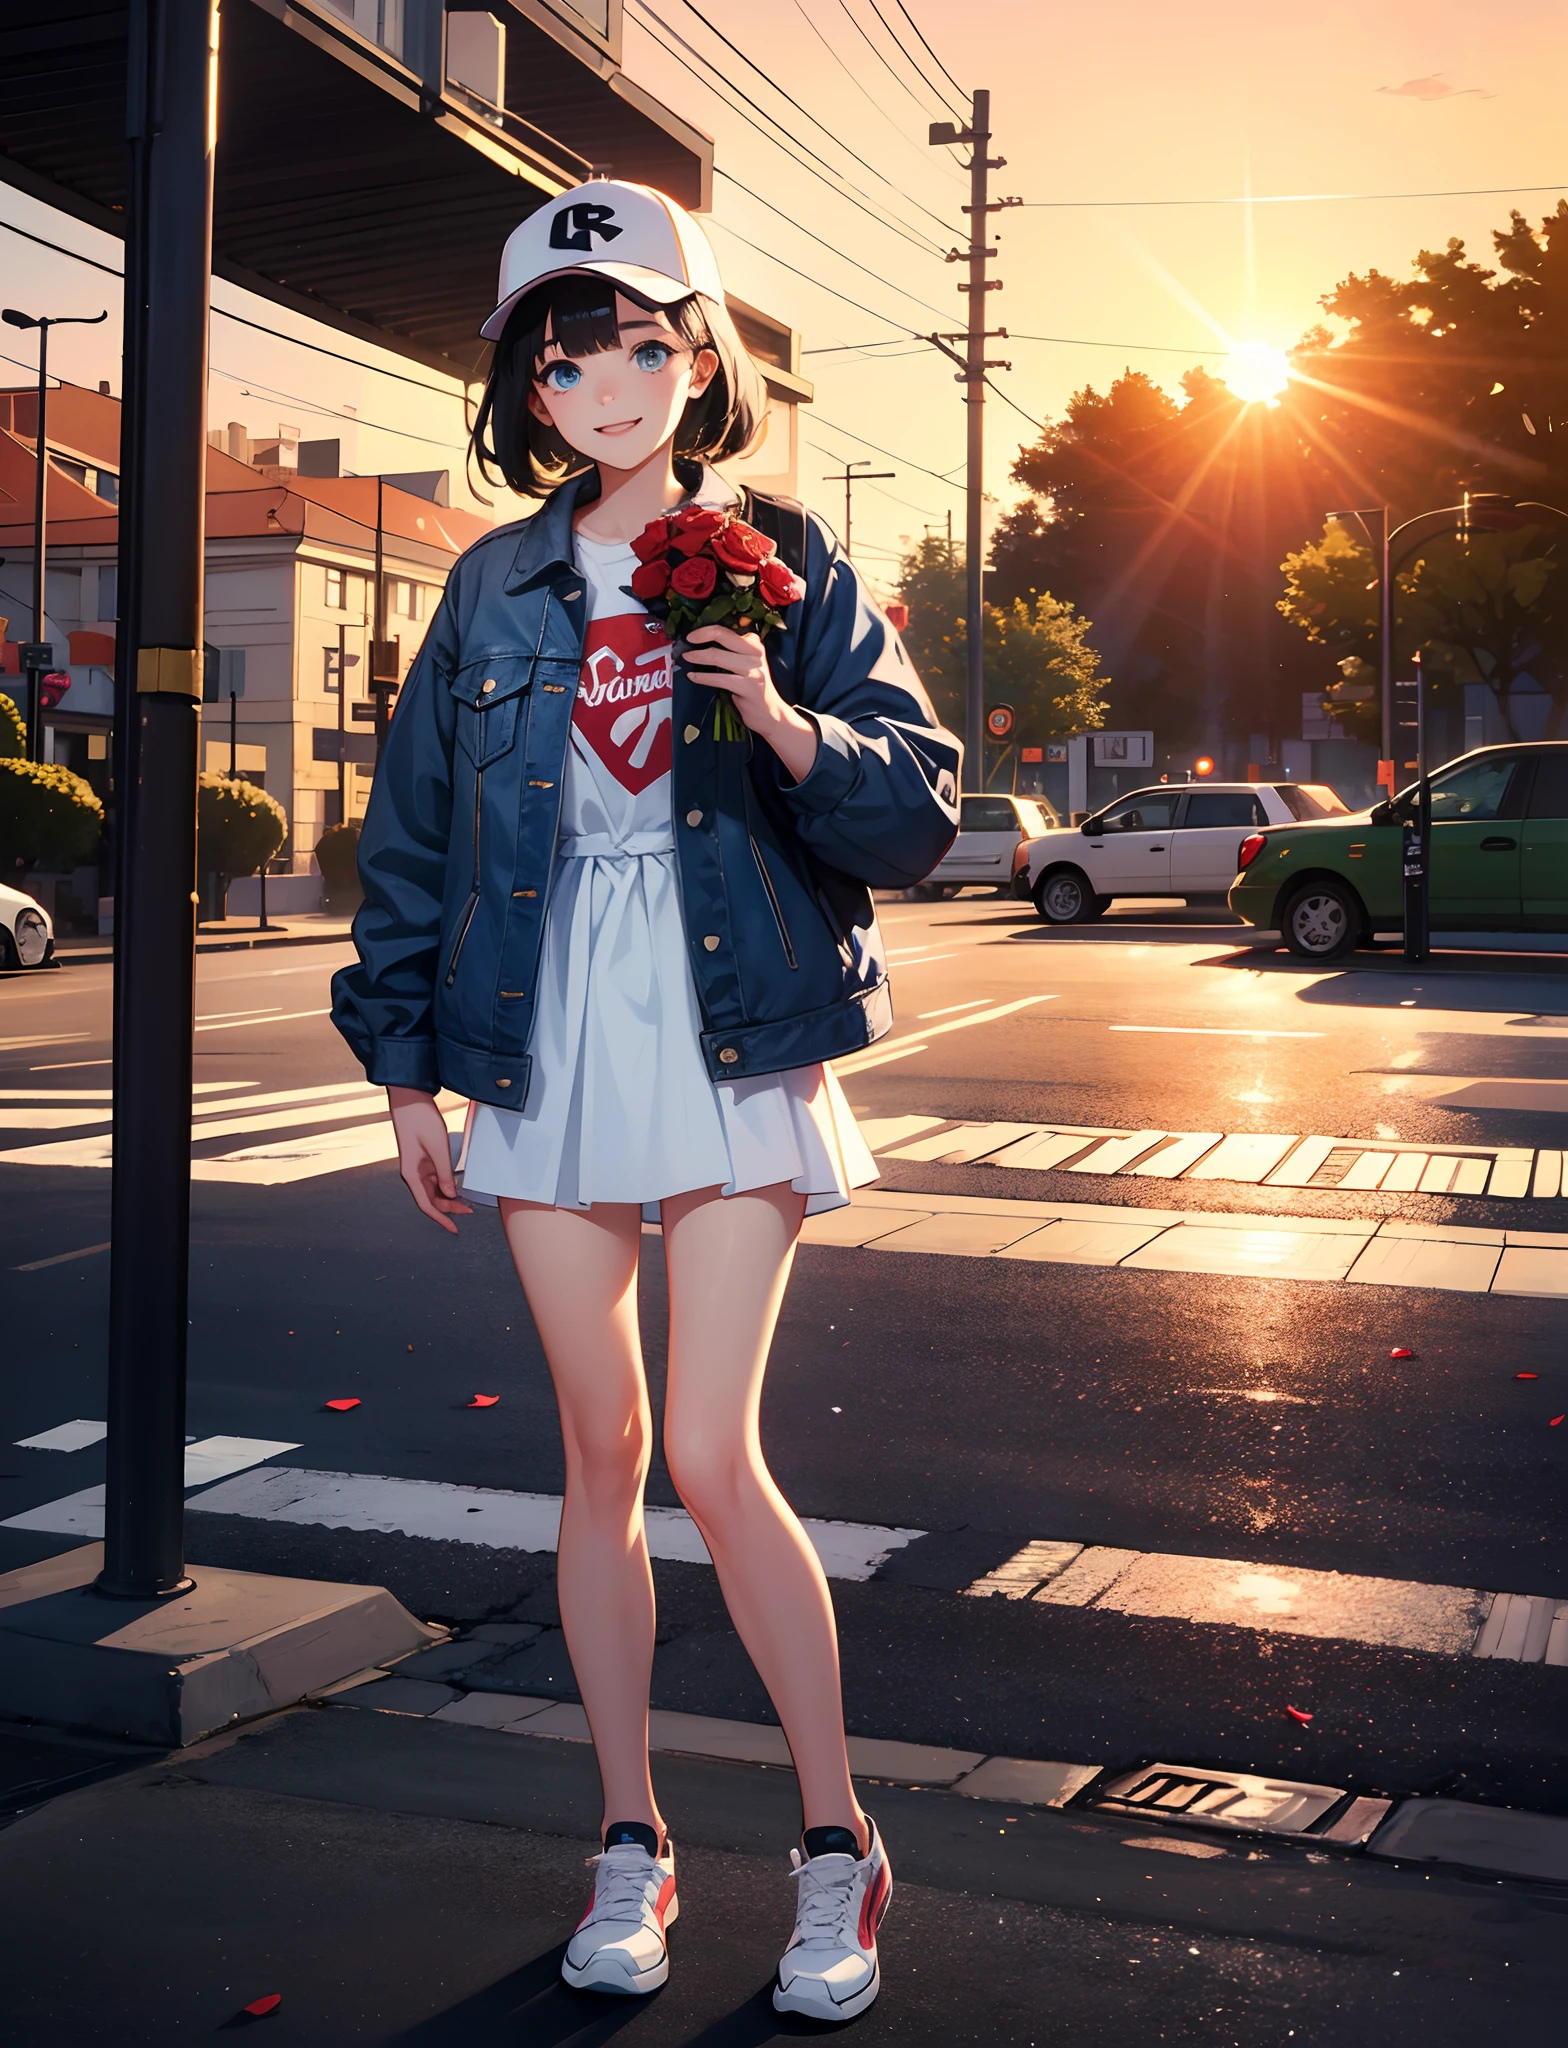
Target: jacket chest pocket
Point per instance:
(490, 695)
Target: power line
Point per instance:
(329, 412)
(935, 59)
(892, 454)
(904, 332)
(917, 236)
(1296, 198)
(915, 66)
(735, 49)
(1164, 348)
(277, 334)
(871, 46)
(830, 246)
(902, 133)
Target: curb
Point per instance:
(1488, 1841)
(101, 956)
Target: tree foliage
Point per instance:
(1164, 517)
(1038, 654)
(47, 815)
(238, 826)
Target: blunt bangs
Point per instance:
(577, 313)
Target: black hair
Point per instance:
(577, 312)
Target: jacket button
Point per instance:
(502, 1082)
(691, 733)
(694, 817)
(729, 1055)
(490, 685)
(712, 942)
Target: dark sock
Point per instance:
(640, 1834)
(831, 1842)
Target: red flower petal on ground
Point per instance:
(652, 541)
(484, 1401)
(651, 579)
(270, 2003)
(778, 585)
(695, 579)
(741, 547)
(1296, 1714)
(1556, 1419)
(1527, 1375)
(1399, 1351)
(343, 1406)
(695, 527)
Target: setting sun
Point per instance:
(1255, 371)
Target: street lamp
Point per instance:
(38, 655)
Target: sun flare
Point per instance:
(1256, 372)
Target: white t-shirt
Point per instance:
(618, 773)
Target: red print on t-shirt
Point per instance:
(624, 698)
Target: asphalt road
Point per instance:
(987, 1402)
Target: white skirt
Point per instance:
(620, 1107)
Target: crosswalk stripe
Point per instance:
(65, 1436)
(500, 1519)
(81, 1514)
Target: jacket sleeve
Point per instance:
(384, 1003)
(881, 799)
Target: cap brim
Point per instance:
(652, 285)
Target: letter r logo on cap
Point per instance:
(574, 227)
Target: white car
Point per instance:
(26, 930)
(1174, 839)
(991, 830)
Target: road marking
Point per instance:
(81, 1514)
(66, 1436)
(288, 1017)
(1401, 1614)
(1209, 1031)
(967, 1142)
(500, 1519)
(47, 1093)
(1244, 1157)
(858, 1062)
(1389, 1253)
(54, 1038)
(212, 1016)
(85, 1251)
(926, 960)
(978, 1003)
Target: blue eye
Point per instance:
(652, 355)
(562, 376)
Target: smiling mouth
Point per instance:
(620, 426)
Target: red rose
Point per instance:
(778, 585)
(652, 541)
(694, 579)
(692, 529)
(651, 579)
(742, 548)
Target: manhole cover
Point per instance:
(1221, 1799)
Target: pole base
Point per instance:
(170, 1671)
(106, 1591)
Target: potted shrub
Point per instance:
(238, 829)
(337, 855)
(47, 815)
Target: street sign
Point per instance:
(999, 721)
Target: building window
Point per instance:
(337, 590)
(329, 670)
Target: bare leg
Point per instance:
(728, 1264)
(579, 1271)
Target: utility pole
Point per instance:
(973, 364)
(38, 655)
(383, 652)
(846, 476)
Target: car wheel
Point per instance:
(1322, 921)
(1065, 897)
(8, 959)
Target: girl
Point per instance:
(620, 901)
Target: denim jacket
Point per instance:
(458, 842)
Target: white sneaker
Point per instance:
(830, 1968)
(619, 1945)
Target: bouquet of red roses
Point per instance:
(704, 567)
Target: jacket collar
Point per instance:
(546, 539)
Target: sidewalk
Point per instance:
(225, 935)
(398, 1880)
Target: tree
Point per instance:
(1038, 654)
(13, 728)
(1489, 608)
(239, 827)
(47, 815)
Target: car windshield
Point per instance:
(1150, 810)
(1311, 800)
(987, 814)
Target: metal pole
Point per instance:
(234, 735)
(848, 479)
(342, 693)
(1386, 635)
(35, 679)
(974, 480)
(171, 103)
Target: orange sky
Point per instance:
(1121, 101)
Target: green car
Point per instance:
(1499, 858)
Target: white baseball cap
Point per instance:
(628, 233)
